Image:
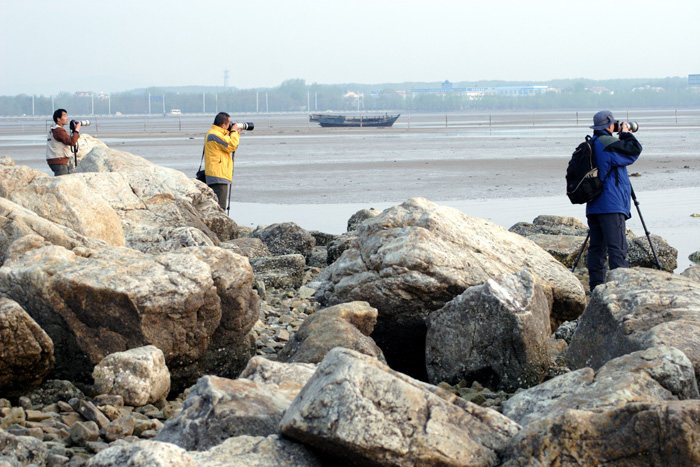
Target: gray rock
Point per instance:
(54, 391)
(319, 257)
(692, 272)
(356, 409)
(143, 454)
(217, 409)
(360, 216)
(280, 272)
(339, 245)
(565, 248)
(286, 239)
(414, 258)
(26, 350)
(118, 429)
(248, 247)
(22, 450)
(637, 434)
(83, 432)
(551, 225)
(322, 238)
(653, 375)
(566, 331)
(268, 372)
(695, 257)
(138, 375)
(257, 451)
(496, 333)
(347, 325)
(640, 254)
(88, 410)
(637, 309)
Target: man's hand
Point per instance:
(236, 128)
(77, 126)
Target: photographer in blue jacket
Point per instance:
(608, 213)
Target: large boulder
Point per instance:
(138, 375)
(26, 351)
(17, 221)
(497, 334)
(361, 412)
(637, 309)
(286, 239)
(346, 325)
(414, 258)
(94, 302)
(657, 374)
(218, 408)
(636, 434)
(66, 200)
(160, 208)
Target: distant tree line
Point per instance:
(296, 96)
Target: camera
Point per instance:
(242, 125)
(73, 123)
(633, 126)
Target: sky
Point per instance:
(47, 47)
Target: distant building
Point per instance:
(648, 88)
(599, 90)
(693, 80)
(510, 90)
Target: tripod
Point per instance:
(651, 244)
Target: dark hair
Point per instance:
(220, 118)
(58, 114)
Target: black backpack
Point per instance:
(582, 181)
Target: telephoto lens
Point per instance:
(73, 123)
(246, 125)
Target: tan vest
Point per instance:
(56, 149)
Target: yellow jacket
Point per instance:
(219, 145)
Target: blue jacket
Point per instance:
(613, 155)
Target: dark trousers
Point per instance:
(608, 241)
(60, 169)
(221, 191)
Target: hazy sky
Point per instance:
(108, 46)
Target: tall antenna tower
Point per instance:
(225, 78)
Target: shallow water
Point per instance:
(503, 166)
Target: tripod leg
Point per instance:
(580, 253)
(646, 232)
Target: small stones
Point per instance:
(478, 394)
(283, 312)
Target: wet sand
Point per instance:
(507, 167)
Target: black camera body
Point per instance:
(73, 124)
(633, 127)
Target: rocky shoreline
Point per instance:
(139, 325)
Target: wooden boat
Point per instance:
(328, 120)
